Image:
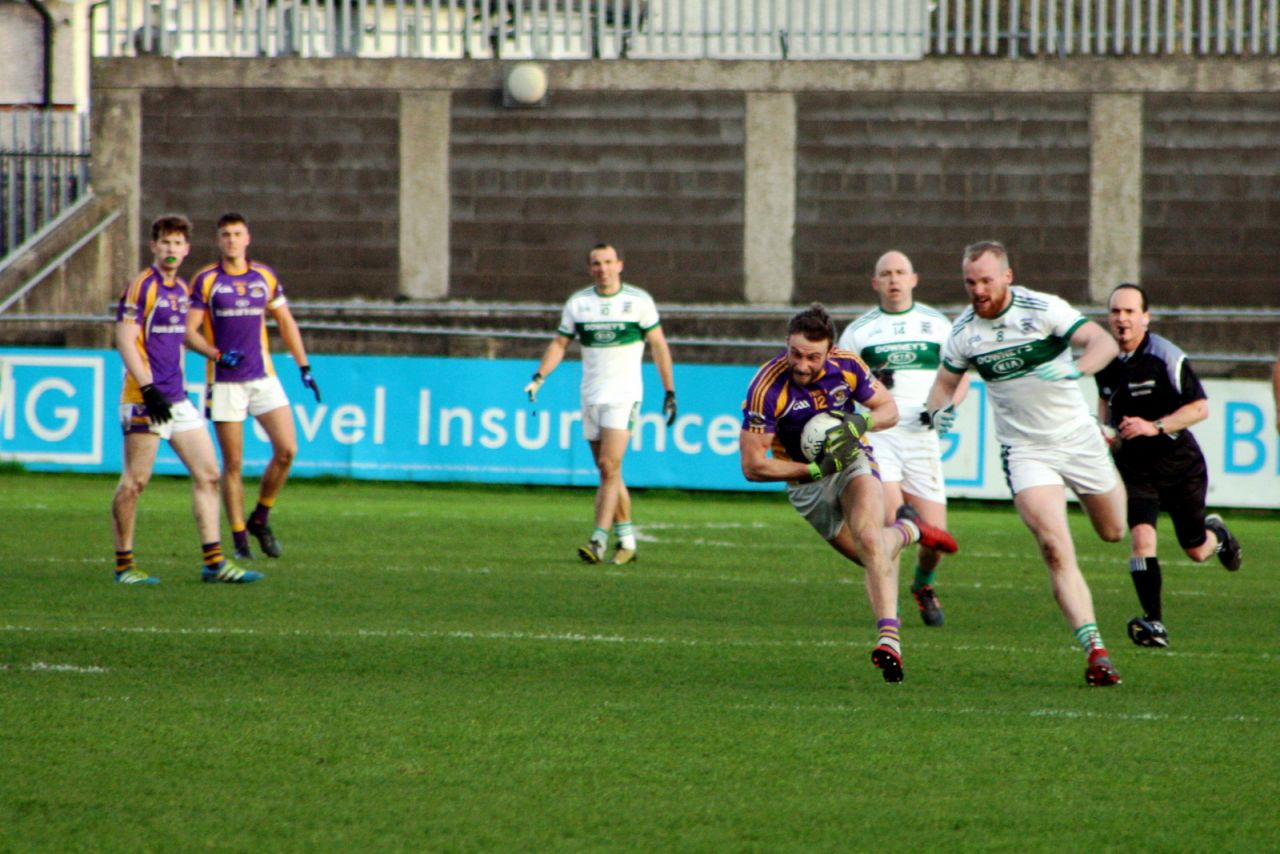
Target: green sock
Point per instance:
(1089, 637)
(923, 579)
(600, 535)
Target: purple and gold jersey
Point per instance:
(775, 404)
(159, 307)
(235, 307)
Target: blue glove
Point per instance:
(310, 381)
(229, 359)
(156, 403)
(669, 407)
(1054, 371)
(941, 420)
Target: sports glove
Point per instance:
(669, 407)
(158, 407)
(532, 388)
(310, 381)
(841, 446)
(1053, 371)
(941, 420)
(834, 459)
(853, 426)
(229, 359)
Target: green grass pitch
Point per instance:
(430, 668)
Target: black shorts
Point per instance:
(1177, 484)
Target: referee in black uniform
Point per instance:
(1150, 395)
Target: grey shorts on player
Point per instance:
(819, 502)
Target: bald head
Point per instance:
(894, 260)
(894, 281)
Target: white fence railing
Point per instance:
(44, 170)
(683, 29)
(544, 29)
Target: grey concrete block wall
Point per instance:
(1211, 200)
(660, 174)
(928, 173)
(315, 173)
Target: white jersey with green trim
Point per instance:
(908, 343)
(611, 330)
(1036, 328)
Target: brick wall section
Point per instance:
(660, 174)
(315, 173)
(928, 174)
(1211, 181)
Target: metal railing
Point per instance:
(683, 29)
(44, 171)
(62, 321)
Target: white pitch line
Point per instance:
(1033, 582)
(46, 667)
(596, 638)
(986, 711)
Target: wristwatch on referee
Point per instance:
(1159, 425)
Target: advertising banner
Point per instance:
(445, 419)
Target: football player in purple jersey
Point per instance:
(150, 326)
(230, 302)
(839, 493)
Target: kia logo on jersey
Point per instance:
(1007, 366)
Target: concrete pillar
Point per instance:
(1115, 192)
(424, 194)
(770, 204)
(115, 168)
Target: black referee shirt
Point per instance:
(1151, 382)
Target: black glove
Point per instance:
(833, 460)
(841, 446)
(669, 407)
(310, 381)
(158, 407)
(229, 359)
(852, 427)
(885, 375)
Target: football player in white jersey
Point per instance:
(613, 321)
(1020, 343)
(901, 341)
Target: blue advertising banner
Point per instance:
(442, 419)
(393, 417)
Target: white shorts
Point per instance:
(234, 401)
(1081, 461)
(912, 458)
(612, 416)
(819, 502)
(184, 417)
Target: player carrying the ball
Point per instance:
(839, 492)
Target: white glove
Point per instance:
(942, 420)
(1054, 371)
(532, 388)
